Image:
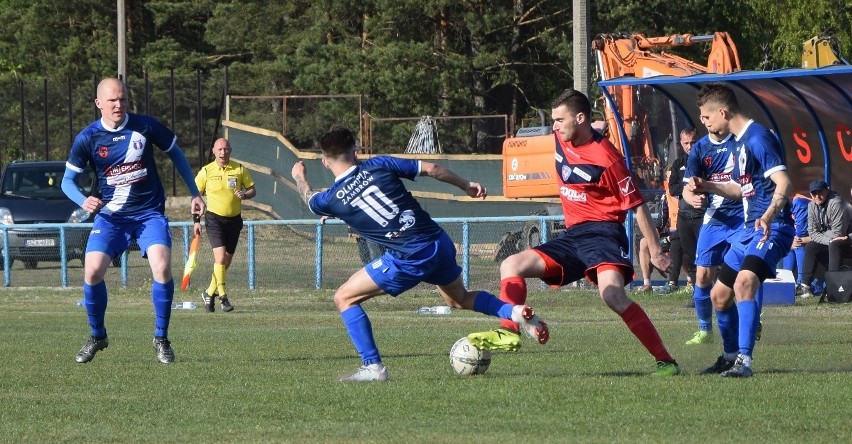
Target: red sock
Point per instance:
(514, 291)
(642, 327)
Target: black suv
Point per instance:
(31, 193)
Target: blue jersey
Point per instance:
(758, 156)
(123, 160)
(800, 214)
(371, 198)
(714, 162)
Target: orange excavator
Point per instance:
(651, 124)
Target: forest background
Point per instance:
(406, 57)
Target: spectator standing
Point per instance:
(689, 218)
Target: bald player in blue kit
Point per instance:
(131, 205)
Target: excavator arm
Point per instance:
(528, 164)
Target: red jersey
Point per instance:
(594, 182)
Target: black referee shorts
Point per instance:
(223, 231)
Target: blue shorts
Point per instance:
(112, 235)
(579, 251)
(770, 252)
(713, 241)
(435, 264)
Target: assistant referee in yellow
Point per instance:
(226, 184)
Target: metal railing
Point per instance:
(283, 254)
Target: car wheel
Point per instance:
(532, 236)
(30, 264)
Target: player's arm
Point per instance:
(185, 171)
(783, 188)
(302, 184)
(69, 186)
(438, 172)
(697, 200)
(728, 190)
(646, 226)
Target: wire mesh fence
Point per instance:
(455, 134)
(300, 118)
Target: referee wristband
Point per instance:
(196, 218)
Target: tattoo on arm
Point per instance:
(777, 203)
(304, 190)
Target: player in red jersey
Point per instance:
(597, 190)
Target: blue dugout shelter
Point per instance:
(809, 110)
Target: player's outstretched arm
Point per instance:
(302, 184)
(438, 172)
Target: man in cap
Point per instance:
(828, 220)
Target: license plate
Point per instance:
(41, 242)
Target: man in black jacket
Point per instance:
(689, 219)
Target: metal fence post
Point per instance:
(318, 260)
(7, 263)
(251, 270)
(466, 253)
(63, 258)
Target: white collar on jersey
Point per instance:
(120, 127)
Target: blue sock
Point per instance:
(96, 305)
(748, 322)
(703, 308)
(162, 296)
(800, 264)
(487, 303)
(758, 297)
(729, 324)
(361, 333)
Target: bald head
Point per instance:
(112, 101)
(222, 151)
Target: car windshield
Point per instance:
(41, 182)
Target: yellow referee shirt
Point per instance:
(219, 185)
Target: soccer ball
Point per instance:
(469, 360)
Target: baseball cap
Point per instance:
(817, 185)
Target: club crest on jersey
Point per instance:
(407, 219)
(137, 145)
(103, 151)
(708, 162)
(566, 173)
(626, 186)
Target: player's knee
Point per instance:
(746, 285)
(721, 296)
(511, 265)
(703, 276)
(615, 298)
